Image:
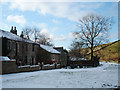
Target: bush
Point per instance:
(96, 60)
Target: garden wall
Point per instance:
(48, 67)
(11, 67)
(82, 63)
(8, 67)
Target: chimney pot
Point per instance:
(12, 28)
(15, 28)
(13, 31)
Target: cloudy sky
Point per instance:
(56, 19)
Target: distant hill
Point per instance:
(109, 52)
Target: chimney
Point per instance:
(15, 31)
(11, 29)
(28, 37)
(22, 35)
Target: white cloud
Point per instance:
(71, 35)
(4, 26)
(17, 19)
(114, 36)
(60, 0)
(65, 10)
(45, 31)
(49, 33)
(54, 29)
(100, 34)
(72, 11)
(60, 38)
(56, 21)
(52, 37)
(40, 25)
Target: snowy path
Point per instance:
(105, 76)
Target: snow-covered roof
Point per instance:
(49, 49)
(12, 36)
(4, 58)
(29, 41)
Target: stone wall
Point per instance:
(48, 67)
(8, 67)
(28, 68)
(11, 67)
(82, 63)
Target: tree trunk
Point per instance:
(91, 54)
(92, 50)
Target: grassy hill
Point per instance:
(109, 52)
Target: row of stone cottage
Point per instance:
(28, 52)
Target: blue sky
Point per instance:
(57, 20)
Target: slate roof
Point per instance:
(15, 37)
(12, 36)
(49, 49)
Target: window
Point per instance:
(26, 60)
(26, 47)
(8, 45)
(32, 60)
(33, 47)
(18, 47)
(23, 46)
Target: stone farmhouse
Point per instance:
(28, 52)
(63, 56)
(48, 54)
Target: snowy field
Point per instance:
(105, 76)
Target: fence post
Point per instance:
(42, 66)
(39, 65)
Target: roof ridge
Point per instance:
(15, 37)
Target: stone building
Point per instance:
(26, 51)
(18, 48)
(63, 56)
(48, 54)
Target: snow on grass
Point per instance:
(104, 76)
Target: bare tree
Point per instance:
(27, 31)
(75, 50)
(31, 33)
(93, 30)
(44, 39)
(34, 34)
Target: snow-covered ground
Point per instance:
(105, 76)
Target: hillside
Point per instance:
(108, 52)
